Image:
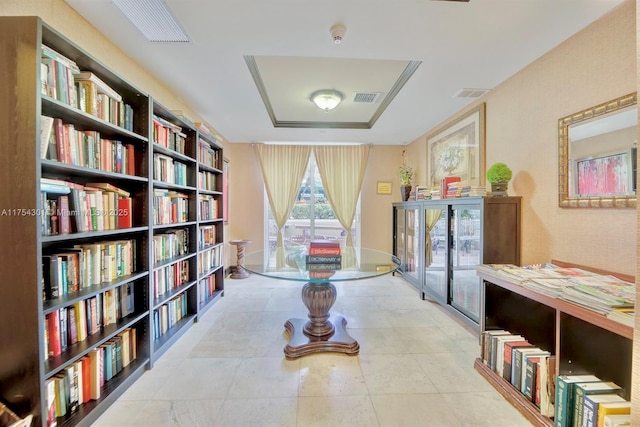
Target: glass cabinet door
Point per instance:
(400, 237)
(436, 252)
(412, 267)
(466, 253)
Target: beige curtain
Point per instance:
(342, 169)
(431, 219)
(283, 167)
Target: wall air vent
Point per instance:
(470, 93)
(154, 20)
(366, 97)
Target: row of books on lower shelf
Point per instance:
(82, 381)
(72, 324)
(206, 289)
(167, 315)
(571, 400)
(602, 294)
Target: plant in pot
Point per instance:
(498, 176)
(406, 177)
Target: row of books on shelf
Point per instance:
(171, 171)
(207, 236)
(587, 401)
(64, 143)
(170, 244)
(82, 381)
(169, 135)
(529, 369)
(209, 259)
(207, 181)
(167, 315)
(206, 289)
(170, 207)
(603, 294)
(72, 324)
(571, 400)
(170, 277)
(70, 270)
(208, 207)
(207, 155)
(68, 207)
(62, 79)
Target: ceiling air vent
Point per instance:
(470, 93)
(366, 97)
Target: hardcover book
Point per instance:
(564, 404)
(584, 389)
(595, 404)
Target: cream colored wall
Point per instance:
(522, 113)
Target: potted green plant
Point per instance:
(499, 176)
(406, 173)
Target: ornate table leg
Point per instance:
(239, 272)
(322, 332)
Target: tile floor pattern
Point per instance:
(415, 366)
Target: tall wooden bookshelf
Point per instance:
(29, 305)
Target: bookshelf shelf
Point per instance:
(43, 305)
(65, 300)
(206, 168)
(162, 299)
(582, 341)
(53, 167)
(92, 235)
(86, 121)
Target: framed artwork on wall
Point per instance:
(458, 150)
(225, 190)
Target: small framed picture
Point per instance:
(384, 187)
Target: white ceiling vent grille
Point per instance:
(154, 20)
(366, 97)
(470, 93)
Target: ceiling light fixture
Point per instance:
(326, 99)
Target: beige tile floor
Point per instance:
(415, 366)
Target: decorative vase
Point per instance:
(499, 188)
(405, 191)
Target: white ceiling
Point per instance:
(460, 45)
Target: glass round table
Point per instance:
(321, 332)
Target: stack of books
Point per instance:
(324, 256)
(445, 183)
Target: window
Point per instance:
(309, 220)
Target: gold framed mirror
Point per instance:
(597, 155)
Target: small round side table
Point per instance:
(239, 272)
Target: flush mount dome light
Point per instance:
(326, 99)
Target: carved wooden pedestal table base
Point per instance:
(240, 272)
(322, 332)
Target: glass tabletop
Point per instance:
(294, 263)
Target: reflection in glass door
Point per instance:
(436, 252)
(412, 261)
(465, 255)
